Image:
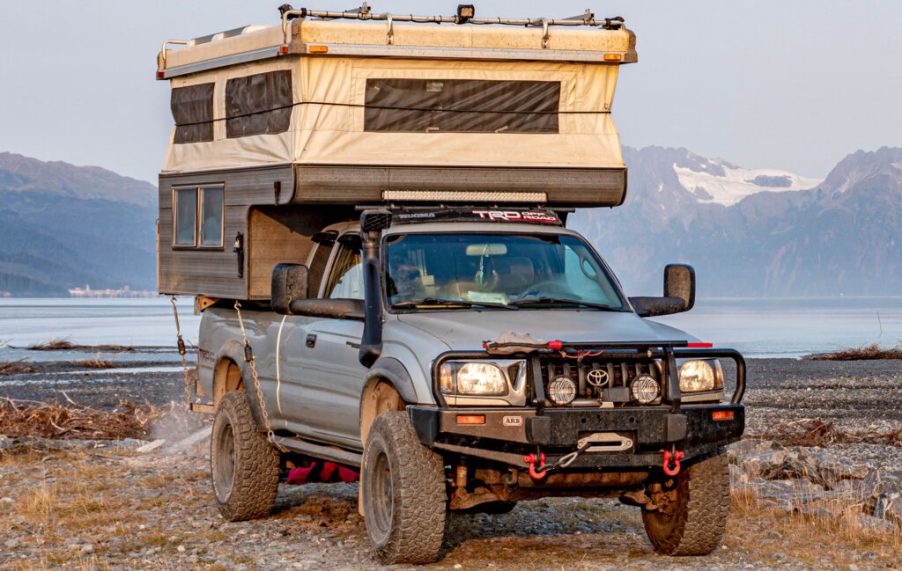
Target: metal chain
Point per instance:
(189, 392)
(252, 363)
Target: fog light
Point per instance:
(721, 415)
(644, 389)
(562, 390)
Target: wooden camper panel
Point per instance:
(208, 271)
(277, 235)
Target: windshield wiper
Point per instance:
(448, 302)
(544, 300)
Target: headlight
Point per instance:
(698, 376)
(478, 379)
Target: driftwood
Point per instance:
(74, 421)
(818, 432)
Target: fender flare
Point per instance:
(393, 371)
(233, 350)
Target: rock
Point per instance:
(87, 548)
(151, 446)
(745, 448)
(882, 492)
(192, 439)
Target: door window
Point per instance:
(346, 279)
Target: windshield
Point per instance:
(453, 271)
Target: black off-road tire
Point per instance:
(244, 466)
(699, 518)
(404, 494)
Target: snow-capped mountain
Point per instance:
(755, 232)
(719, 182)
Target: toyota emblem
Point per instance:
(597, 377)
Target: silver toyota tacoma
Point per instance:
(467, 359)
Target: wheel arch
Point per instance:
(230, 373)
(388, 388)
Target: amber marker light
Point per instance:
(613, 57)
(721, 415)
(470, 419)
(317, 49)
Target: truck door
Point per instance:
(331, 375)
(290, 340)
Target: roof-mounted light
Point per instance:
(465, 13)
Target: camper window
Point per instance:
(211, 219)
(198, 216)
(461, 106)
(192, 110)
(258, 104)
(185, 216)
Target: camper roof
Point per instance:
(366, 34)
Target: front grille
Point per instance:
(594, 376)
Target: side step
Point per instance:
(328, 453)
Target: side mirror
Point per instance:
(679, 293)
(289, 283)
(330, 308)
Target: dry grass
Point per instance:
(96, 363)
(818, 432)
(811, 520)
(66, 345)
(866, 353)
(67, 422)
(19, 366)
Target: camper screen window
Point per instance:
(198, 216)
(185, 216)
(192, 110)
(461, 106)
(211, 220)
(258, 104)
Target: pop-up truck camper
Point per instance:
(370, 210)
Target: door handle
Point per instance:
(352, 345)
(311, 340)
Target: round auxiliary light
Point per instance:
(644, 389)
(562, 390)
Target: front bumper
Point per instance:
(509, 433)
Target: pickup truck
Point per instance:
(467, 358)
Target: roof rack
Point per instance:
(465, 15)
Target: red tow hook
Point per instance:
(675, 469)
(531, 462)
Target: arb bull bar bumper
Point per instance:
(634, 436)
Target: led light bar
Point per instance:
(465, 196)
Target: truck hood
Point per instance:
(466, 330)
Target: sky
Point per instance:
(794, 85)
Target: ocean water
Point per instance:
(786, 327)
(144, 322)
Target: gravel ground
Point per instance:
(112, 507)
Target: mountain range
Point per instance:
(63, 226)
(748, 232)
(755, 232)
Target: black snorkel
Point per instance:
(372, 223)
